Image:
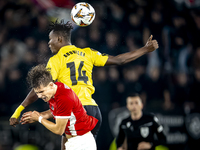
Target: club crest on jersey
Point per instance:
(52, 107)
(128, 124)
(144, 131)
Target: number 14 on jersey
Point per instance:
(81, 73)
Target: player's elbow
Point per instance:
(59, 132)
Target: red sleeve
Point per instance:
(64, 107)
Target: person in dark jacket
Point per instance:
(137, 132)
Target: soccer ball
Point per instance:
(82, 14)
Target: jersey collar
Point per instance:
(67, 47)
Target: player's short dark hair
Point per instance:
(61, 28)
(39, 75)
(133, 95)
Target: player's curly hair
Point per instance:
(39, 75)
(61, 28)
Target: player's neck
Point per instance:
(67, 43)
(136, 116)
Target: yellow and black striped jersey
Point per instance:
(73, 67)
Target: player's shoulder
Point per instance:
(127, 119)
(54, 57)
(87, 49)
(150, 116)
(62, 89)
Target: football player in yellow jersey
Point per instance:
(73, 66)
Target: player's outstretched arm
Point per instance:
(30, 98)
(121, 59)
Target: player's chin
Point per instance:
(53, 51)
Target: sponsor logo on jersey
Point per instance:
(144, 131)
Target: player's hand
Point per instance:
(27, 118)
(151, 45)
(144, 146)
(14, 121)
(35, 115)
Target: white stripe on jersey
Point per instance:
(160, 129)
(71, 127)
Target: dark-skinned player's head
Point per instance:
(60, 35)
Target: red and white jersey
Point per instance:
(65, 104)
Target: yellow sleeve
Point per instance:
(98, 58)
(54, 67)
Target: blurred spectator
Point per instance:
(81, 42)
(195, 27)
(155, 26)
(153, 60)
(111, 45)
(136, 25)
(115, 16)
(14, 79)
(95, 39)
(117, 87)
(43, 53)
(41, 32)
(180, 91)
(133, 83)
(14, 50)
(178, 41)
(157, 91)
(193, 101)
(195, 64)
(102, 88)
(30, 43)
(28, 61)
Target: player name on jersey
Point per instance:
(74, 52)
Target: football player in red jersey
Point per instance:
(65, 107)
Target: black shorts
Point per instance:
(95, 112)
